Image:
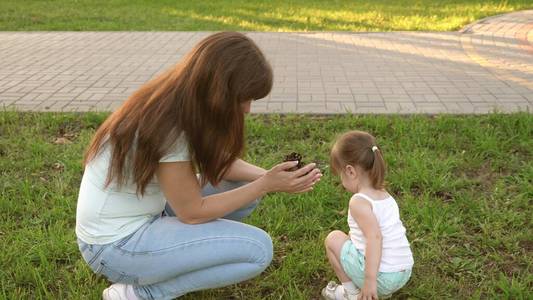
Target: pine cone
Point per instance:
(292, 157)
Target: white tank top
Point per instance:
(396, 253)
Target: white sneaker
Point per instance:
(117, 291)
(334, 291)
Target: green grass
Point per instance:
(464, 187)
(243, 15)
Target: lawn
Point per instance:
(243, 15)
(463, 184)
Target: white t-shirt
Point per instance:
(396, 253)
(105, 215)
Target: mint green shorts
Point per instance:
(353, 263)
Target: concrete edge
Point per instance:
(467, 28)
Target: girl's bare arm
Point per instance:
(361, 211)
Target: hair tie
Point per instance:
(374, 148)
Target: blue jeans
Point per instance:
(166, 258)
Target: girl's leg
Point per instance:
(166, 258)
(334, 242)
(224, 186)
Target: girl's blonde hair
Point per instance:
(359, 148)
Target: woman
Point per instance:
(144, 219)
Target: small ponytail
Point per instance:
(377, 172)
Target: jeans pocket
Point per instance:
(82, 245)
(114, 275)
(90, 253)
(123, 241)
(93, 254)
(136, 236)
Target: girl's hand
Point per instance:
(369, 291)
(278, 179)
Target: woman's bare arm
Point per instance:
(183, 193)
(241, 170)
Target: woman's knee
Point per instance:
(266, 246)
(256, 247)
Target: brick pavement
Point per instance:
(487, 66)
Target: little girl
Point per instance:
(375, 259)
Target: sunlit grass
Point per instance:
(463, 185)
(277, 15)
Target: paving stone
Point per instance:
(484, 67)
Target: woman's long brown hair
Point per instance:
(201, 97)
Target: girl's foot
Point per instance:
(335, 291)
(119, 291)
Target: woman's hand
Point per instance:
(369, 290)
(278, 179)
